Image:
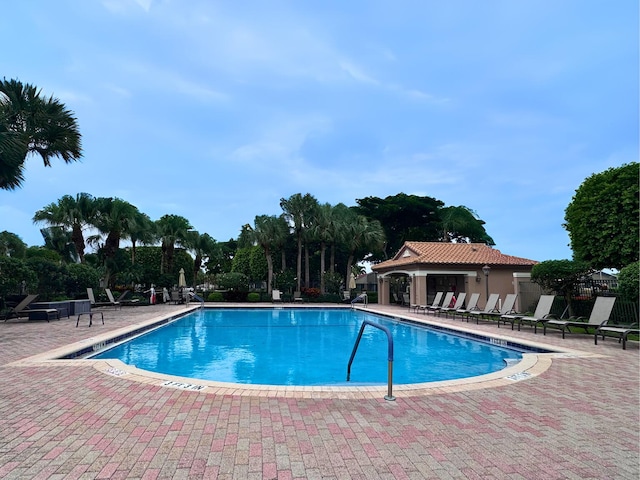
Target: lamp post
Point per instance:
(486, 270)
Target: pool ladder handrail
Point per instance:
(363, 297)
(196, 297)
(389, 396)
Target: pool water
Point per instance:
(305, 347)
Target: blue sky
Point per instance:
(215, 110)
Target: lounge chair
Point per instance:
(95, 304)
(599, 314)
(112, 300)
(346, 296)
(436, 302)
(297, 297)
(620, 331)
(541, 313)
(122, 300)
(470, 307)
(445, 303)
(458, 305)
(275, 296)
(507, 308)
(490, 307)
(22, 310)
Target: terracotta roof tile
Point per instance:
(451, 253)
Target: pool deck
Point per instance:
(569, 415)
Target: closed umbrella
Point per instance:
(182, 282)
(352, 282)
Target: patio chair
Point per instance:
(22, 310)
(445, 303)
(95, 304)
(620, 331)
(599, 314)
(112, 300)
(122, 300)
(24, 303)
(275, 296)
(458, 305)
(540, 314)
(297, 297)
(436, 302)
(507, 308)
(490, 307)
(470, 307)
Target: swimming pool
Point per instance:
(305, 347)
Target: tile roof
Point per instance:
(451, 253)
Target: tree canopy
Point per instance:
(31, 123)
(424, 219)
(602, 218)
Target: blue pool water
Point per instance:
(305, 347)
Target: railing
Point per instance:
(389, 396)
(362, 297)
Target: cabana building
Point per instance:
(420, 269)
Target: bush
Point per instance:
(215, 297)
(253, 297)
(311, 292)
(629, 282)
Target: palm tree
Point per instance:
(113, 218)
(58, 239)
(323, 231)
(30, 123)
(461, 224)
(363, 235)
(267, 232)
(298, 211)
(141, 230)
(338, 230)
(70, 213)
(172, 229)
(202, 246)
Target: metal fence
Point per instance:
(624, 312)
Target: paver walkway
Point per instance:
(578, 419)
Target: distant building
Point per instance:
(420, 269)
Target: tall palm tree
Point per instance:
(172, 229)
(30, 123)
(363, 236)
(113, 218)
(141, 230)
(58, 239)
(323, 231)
(298, 211)
(267, 232)
(338, 231)
(71, 213)
(202, 246)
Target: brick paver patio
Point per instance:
(578, 418)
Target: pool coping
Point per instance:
(531, 365)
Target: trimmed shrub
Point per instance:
(253, 297)
(215, 297)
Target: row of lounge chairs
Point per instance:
(599, 319)
(24, 309)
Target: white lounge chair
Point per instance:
(436, 302)
(275, 296)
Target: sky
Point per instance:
(215, 110)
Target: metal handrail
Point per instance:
(389, 396)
